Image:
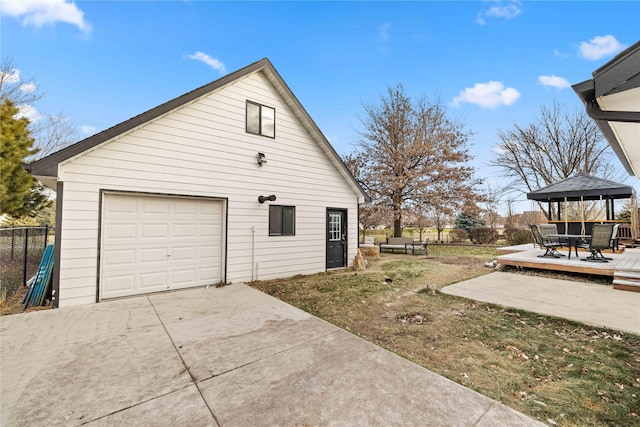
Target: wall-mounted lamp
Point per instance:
(271, 198)
(261, 159)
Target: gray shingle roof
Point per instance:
(584, 187)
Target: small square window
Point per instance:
(261, 120)
(282, 220)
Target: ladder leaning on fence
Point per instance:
(40, 285)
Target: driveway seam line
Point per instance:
(135, 404)
(193, 380)
(484, 413)
(269, 356)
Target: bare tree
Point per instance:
(408, 151)
(51, 132)
(372, 216)
(491, 202)
(418, 220)
(20, 92)
(441, 217)
(510, 215)
(558, 145)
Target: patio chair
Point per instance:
(600, 239)
(549, 232)
(550, 246)
(625, 236)
(614, 237)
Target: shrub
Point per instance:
(484, 235)
(518, 236)
(458, 235)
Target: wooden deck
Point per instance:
(527, 256)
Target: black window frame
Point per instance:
(277, 224)
(260, 124)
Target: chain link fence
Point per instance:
(20, 251)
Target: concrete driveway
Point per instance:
(231, 356)
(597, 305)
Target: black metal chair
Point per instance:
(549, 233)
(600, 239)
(550, 246)
(614, 238)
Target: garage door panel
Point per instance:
(154, 231)
(120, 258)
(122, 284)
(209, 230)
(156, 280)
(120, 231)
(157, 255)
(121, 206)
(185, 254)
(209, 274)
(186, 206)
(151, 244)
(185, 230)
(155, 206)
(209, 252)
(180, 277)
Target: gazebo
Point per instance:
(580, 188)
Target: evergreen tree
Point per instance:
(467, 222)
(20, 193)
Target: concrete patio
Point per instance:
(597, 305)
(230, 356)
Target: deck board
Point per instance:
(527, 256)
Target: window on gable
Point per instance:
(282, 220)
(261, 119)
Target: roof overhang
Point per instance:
(582, 187)
(612, 99)
(46, 169)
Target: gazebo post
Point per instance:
(613, 215)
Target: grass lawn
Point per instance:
(560, 372)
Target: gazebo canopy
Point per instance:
(582, 187)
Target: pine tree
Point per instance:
(20, 193)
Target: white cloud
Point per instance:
(87, 130)
(554, 81)
(559, 54)
(211, 62)
(487, 95)
(14, 77)
(500, 9)
(45, 12)
(27, 87)
(29, 112)
(384, 31)
(600, 47)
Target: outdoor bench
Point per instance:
(402, 243)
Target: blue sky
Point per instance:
(492, 63)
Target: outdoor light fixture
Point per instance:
(271, 198)
(261, 160)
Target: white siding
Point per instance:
(202, 149)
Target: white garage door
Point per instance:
(158, 243)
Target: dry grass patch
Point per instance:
(553, 370)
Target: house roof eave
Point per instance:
(48, 166)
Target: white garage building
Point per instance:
(230, 182)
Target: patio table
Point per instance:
(574, 239)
